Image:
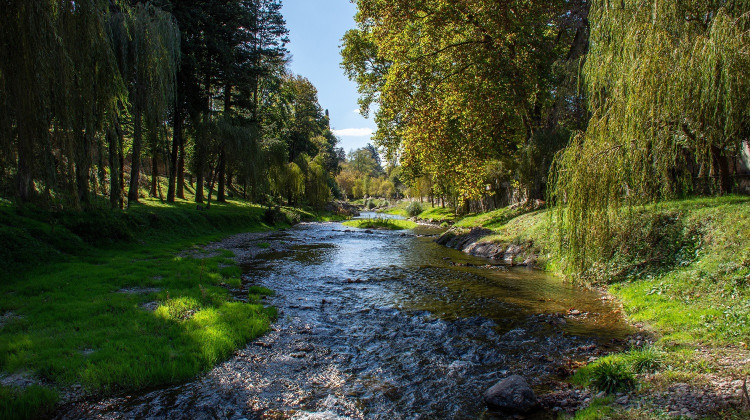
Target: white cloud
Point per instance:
(356, 111)
(354, 132)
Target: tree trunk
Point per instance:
(135, 166)
(220, 194)
(121, 158)
(176, 141)
(115, 191)
(721, 163)
(154, 176)
(222, 170)
(83, 165)
(181, 169)
(173, 157)
(200, 162)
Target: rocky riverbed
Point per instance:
(386, 325)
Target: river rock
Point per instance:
(512, 394)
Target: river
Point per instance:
(386, 325)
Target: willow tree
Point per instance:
(153, 54)
(29, 51)
(57, 80)
(669, 91)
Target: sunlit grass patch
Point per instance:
(260, 291)
(147, 312)
(385, 224)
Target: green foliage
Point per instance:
(653, 132)
(127, 315)
(611, 375)
(380, 223)
(440, 74)
(414, 209)
(493, 219)
(645, 360)
(598, 409)
(33, 402)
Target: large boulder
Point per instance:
(512, 394)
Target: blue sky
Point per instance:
(315, 31)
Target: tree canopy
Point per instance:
(668, 87)
(459, 85)
(91, 90)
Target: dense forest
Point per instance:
(100, 95)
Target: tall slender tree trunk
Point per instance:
(154, 176)
(174, 158)
(83, 165)
(121, 158)
(181, 169)
(200, 158)
(25, 158)
(221, 193)
(135, 166)
(115, 190)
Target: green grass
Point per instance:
(385, 224)
(493, 219)
(680, 268)
(33, 402)
(76, 288)
(599, 408)
(430, 213)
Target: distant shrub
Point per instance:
(414, 209)
(275, 216)
(370, 204)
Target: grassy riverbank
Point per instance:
(681, 270)
(378, 223)
(104, 301)
(433, 214)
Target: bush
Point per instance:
(612, 376)
(414, 209)
(370, 204)
(645, 360)
(274, 216)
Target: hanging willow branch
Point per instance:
(668, 84)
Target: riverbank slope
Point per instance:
(681, 270)
(103, 301)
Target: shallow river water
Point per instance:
(385, 325)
